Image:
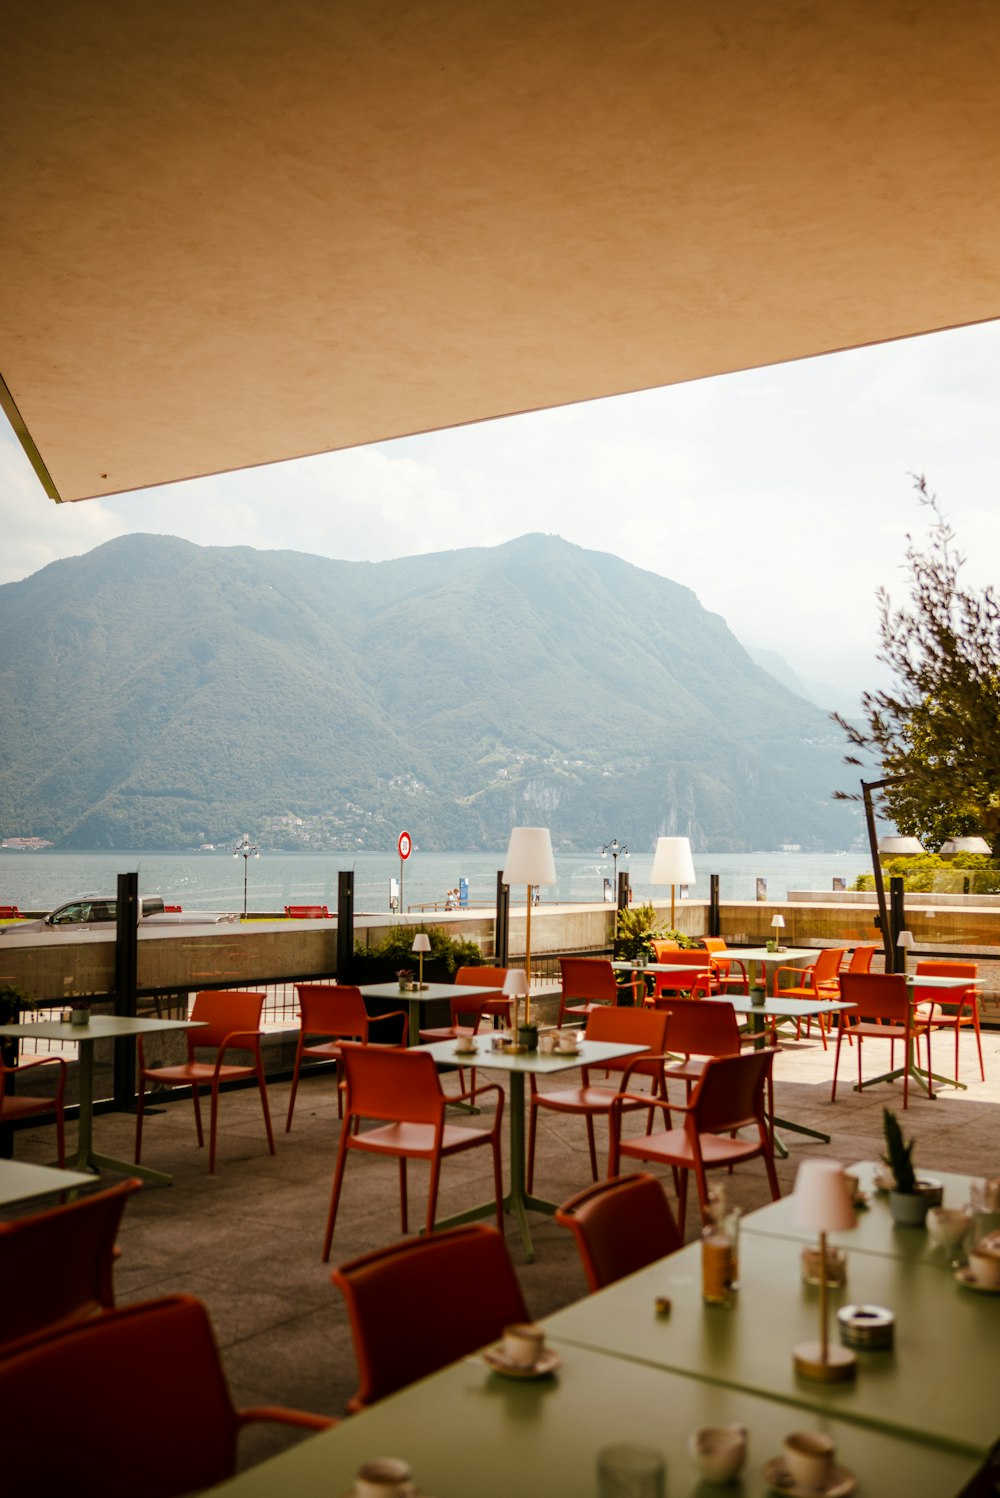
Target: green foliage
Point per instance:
(13, 999)
(938, 729)
(965, 873)
(638, 927)
(899, 1155)
(397, 946)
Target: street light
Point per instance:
(617, 850)
(249, 850)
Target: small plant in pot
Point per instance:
(13, 1000)
(910, 1198)
(527, 1035)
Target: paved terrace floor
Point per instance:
(248, 1240)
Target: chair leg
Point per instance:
(432, 1192)
(338, 1180)
(979, 1044)
(197, 1114)
(60, 1137)
(682, 1197)
(139, 1102)
(212, 1127)
(593, 1146)
(532, 1125)
(836, 1066)
(262, 1084)
(498, 1183)
(403, 1203)
(295, 1085)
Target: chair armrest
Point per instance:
(23, 1066)
(282, 1416)
(232, 1042)
(376, 1019)
(460, 1097)
(803, 974)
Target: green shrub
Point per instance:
(397, 946)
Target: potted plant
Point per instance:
(527, 1035)
(13, 999)
(910, 1198)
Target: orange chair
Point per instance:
(860, 960)
(338, 1013)
(668, 984)
(231, 1022)
(882, 1011)
(453, 1293)
(818, 981)
(643, 1027)
(698, 1031)
(58, 1264)
(729, 1096)
(723, 963)
(949, 1008)
(589, 983)
(18, 1105)
(620, 1226)
(467, 1014)
(487, 977)
(403, 1090)
(117, 1374)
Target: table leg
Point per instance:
(780, 1148)
(86, 1158)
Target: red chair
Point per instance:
(58, 1265)
(729, 1096)
(467, 1014)
(588, 983)
(697, 1031)
(123, 1428)
(818, 981)
(668, 984)
(403, 1090)
(643, 1027)
(231, 1022)
(451, 1294)
(17, 1105)
(338, 1013)
(949, 1008)
(882, 1011)
(723, 962)
(620, 1226)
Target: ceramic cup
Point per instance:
(947, 1226)
(853, 1185)
(523, 1344)
(499, 1040)
(80, 1017)
(808, 1456)
(718, 1451)
(546, 1044)
(984, 1266)
(465, 1043)
(387, 1477)
(568, 1040)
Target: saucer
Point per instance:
(466, 1050)
(546, 1364)
(967, 1278)
(840, 1485)
(562, 1050)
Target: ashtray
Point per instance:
(871, 1327)
(840, 1483)
(546, 1363)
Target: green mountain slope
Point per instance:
(158, 694)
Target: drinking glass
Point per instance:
(628, 1470)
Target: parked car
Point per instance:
(94, 912)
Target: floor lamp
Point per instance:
(673, 865)
(529, 861)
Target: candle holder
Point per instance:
(822, 1202)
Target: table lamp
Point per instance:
(673, 865)
(515, 986)
(529, 861)
(822, 1201)
(421, 944)
(777, 926)
(904, 941)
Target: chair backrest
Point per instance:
(469, 1011)
(620, 1225)
(663, 951)
(730, 1094)
(689, 957)
(222, 1012)
(57, 1265)
(861, 960)
(395, 1086)
(125, 1424)
(588, 978)
(418, 1305)
(714, 944)
(481, 977)
(942, 969)
(696, 1028)
(622, 1026)
(877, 996)
(338, 1010)
(827, 965)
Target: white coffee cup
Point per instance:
(808, 1458)
(718, 1451)
(523, 1343)
(465, 1043)
(984, 1266)
(568, 1040)
(386, 1477)
(547, 1044)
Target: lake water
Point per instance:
(214, 880)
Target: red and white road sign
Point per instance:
(404, 845)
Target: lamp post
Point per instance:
(529, 861)
(673, 865)
(617, 850)
(248, 850)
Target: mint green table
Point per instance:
(518, 1066)
(937, 1387)
(20, 1181)
(469, 1433)
(416, 1000)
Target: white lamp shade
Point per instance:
(904, 939)
(953, 845)
(821, 1200)
(529, 857)
(899, 847)
(672, 861)
(421, 942)
(778, 922)
(515, 985)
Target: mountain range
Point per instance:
(158, 694)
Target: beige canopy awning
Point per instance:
(242, 231)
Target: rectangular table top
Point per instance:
(468, 1430)
(591, 1053)
(100, 1027)
(19, 1181)
(429, 992)
(936, 1387)
(783, 1008)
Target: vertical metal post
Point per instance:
(345, 925)
(882, 920)
(501, 928)
(623, 899)
(714, 911)
(897, 918)
(126, 984)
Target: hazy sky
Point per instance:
(782, 496)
